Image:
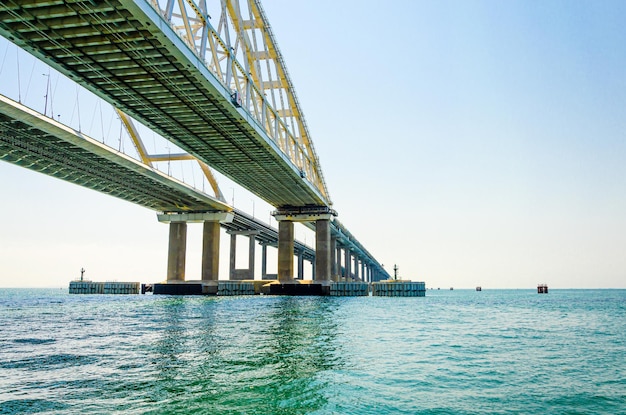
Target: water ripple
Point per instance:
(462, 352)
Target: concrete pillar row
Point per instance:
(177, 251)
(286, 217)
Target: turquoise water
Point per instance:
(452, 352)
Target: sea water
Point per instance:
(451, 352)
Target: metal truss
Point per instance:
(236, 43)
(148, 159)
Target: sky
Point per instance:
(469, 142)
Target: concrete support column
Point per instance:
(363, 271)
(300, 265)
(338, 264)
(210, 250)
(356, 267)
(285, 250)
(348, 264)
(333, 258)
(233, 255)
(322, 250)
(177, 251)
(264, 261)
(178, 242)
(251, 252)
(313, 268)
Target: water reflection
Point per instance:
(246, 355)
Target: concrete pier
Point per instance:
(333, 258)
(301, 266)
(321, 216)
(210, 250)
(322, 250)
(175, 282)
(285, 250)
(233, 256)
(263, 261)
(242, 273)
(177, 251)
(251, 254)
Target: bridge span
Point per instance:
(214, 83)
(39, 143)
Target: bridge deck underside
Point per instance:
(64, 154)
(115, 50)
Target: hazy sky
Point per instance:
(471, 143)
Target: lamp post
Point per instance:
(45, 108)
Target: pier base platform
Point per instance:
(297, 288)
(349, 289)
(186, 288)
(243, 287)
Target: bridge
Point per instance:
(219, 91)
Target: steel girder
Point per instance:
(243, 53)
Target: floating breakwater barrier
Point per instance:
(398, 288)
(86, 287)
(122, 287)
(92, 287)
(349, 289)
